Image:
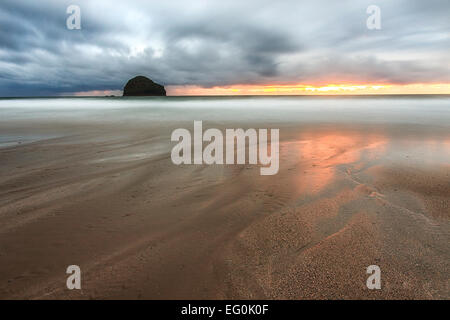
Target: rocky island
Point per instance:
(143, 86)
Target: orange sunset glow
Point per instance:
(302, 89)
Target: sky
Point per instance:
(225, 47)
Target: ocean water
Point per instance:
(408, 109)
(417, 126)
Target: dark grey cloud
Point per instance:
(216, 43)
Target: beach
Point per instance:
(90, 182)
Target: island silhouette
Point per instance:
(143, 86)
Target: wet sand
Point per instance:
(108, 198)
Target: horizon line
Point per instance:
(234, 95)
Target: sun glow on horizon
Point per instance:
(302, 89)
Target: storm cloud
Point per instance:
(219, 43)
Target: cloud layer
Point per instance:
(219, 43)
